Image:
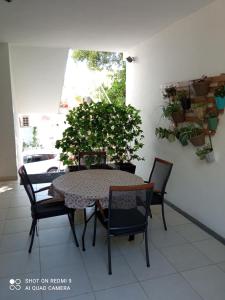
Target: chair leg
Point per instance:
(84, 231)
(146, 248)
(109, 254)
(150, 212)
(95, 225)
(72, 225)
(163, 217)
(32, 227)
(32, 236)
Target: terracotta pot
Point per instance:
(201, 88)
(198, 140)
(178, 117)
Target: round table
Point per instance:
(80, 189)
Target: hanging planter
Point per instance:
(178, 117)
(220, 97)
(212, 121)
(198, 139)
(210, 157)
(199, 110)
(206, 152)
(184, 99)
(173, 110)
(201, 87)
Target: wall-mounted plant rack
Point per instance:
(197, 103)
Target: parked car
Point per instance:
(37, 162)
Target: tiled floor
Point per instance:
(186, 263)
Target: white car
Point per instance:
(41, 162)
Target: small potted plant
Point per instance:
(184, 99)
(170, 92)
(197, 136)
(199, 110)
(174, 111)
(201, 87)
(212, 120)
(163, 133)
(206, 152)
(220, 97)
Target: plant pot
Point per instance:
(201, 88)
(212, 123)
(220, 103)
(199, 112)
(178, 117)
(210, 157)
(186, 103)
(127, 167)
(198, 140)
(76, 168)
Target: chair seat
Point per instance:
(48, 208)
(124, 221)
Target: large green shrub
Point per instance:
(115, 128)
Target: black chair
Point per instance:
(91, 160)
(46, 208)
(160, 174)
(127, 214)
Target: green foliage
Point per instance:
(163, 133)
(170, 108)
(114, 128)
(184, 134)
(97, 60)
(202, 152)
(220, 91)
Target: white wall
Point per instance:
(38, 77)
(186, 50)
(7, 138)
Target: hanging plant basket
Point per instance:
(220, 103)
(186, 103)
(210, 157)
(212, 123)
(201, 88)
(178, 117)
(198, 140)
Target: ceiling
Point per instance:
(89, 24)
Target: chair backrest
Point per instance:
(27, 184)
(92, 159)
(160, 174)
(129, 206)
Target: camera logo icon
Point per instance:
(15, 284)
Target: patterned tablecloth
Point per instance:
(80, 189)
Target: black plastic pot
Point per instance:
(76, 168)
(185, 103)
(127, 167)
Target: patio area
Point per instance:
(186, 261)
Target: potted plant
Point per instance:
(197, 136)
(163, 133)
(192, 133)
(184, 99)
(199, 110)
(220, 97)
(174, 111)
(201, 87)
(170, 92)
(206, 152)
(114, 128)
(212, 119)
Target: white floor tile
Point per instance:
(172, 287)
(159, 266)
(59, 256)
(185, 257)
(18, 212)
(3, 214)
(208, 282)
(1, 228)
(4, 203)
(60, 235)
(76, 277)
(173, 218)
(17, 225)
(88, 296)
(162, 238)
(22, 294)
(131, 292)
(19, 201)
(49, 223)
(222, 266)
(16, 242)
(20, 262)
(213, 249)
(98, 272)
(191, 232)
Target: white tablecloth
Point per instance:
(80, 189)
